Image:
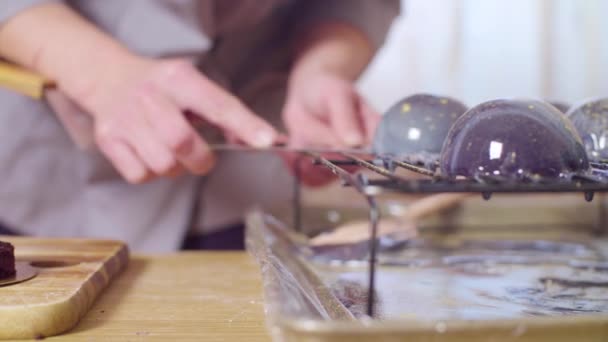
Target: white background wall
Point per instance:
(477, 50)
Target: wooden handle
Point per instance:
(23, 81)
(433, 204)
(405, 224)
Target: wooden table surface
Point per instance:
(192, 296)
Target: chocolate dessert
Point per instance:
(517, 139)
(417, 126)
(7, 260)
(591, 121)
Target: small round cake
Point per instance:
(417, 126)
(591, 121)
(7, 260)
(514, 139)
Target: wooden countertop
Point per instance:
(192, 296)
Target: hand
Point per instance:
(137, 104)
(326, 111)
(138, 108)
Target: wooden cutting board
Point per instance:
(71, 275)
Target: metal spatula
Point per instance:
(79, 124)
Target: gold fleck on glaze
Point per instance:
(406, 108)
(444, 101)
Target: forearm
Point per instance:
(332, 47)
(55, 41)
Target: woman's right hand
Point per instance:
(138, 109)
(137, 103)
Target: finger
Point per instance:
(151, 150)
(231, 138)
(308, 173)
(146, 143)
(177, 135)
(283, 139)
(370, 119)
(123, 158)
(207, 99)
(344, 119)
(309, 131)
(175, 172)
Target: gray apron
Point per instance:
(50, 188)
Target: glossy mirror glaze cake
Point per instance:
(520, 139)
(7, 260)
(591, 121)
(417, 126)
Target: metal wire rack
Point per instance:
(384, 178)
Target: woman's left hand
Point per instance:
(324, 110)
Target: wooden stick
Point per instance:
(23, 81)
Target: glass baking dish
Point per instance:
(517, 267)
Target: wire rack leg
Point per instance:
(297, 195)
(601, 228)
(374, 216)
